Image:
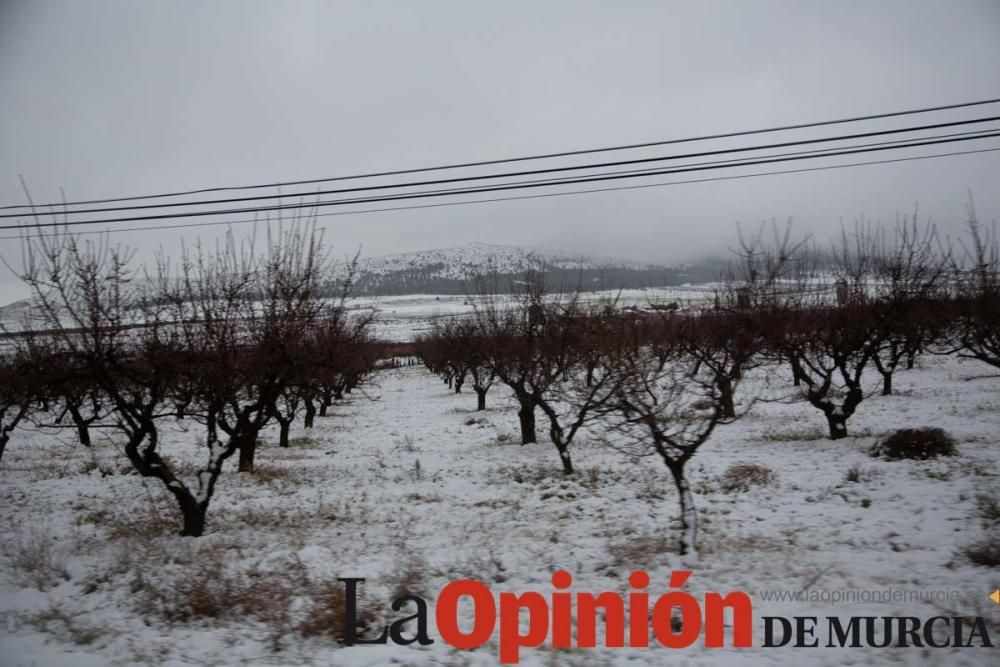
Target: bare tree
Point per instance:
(568, 390)
(512, 335)
(456, 348)
(665, 404)
(246, 316)
(977, 281)
(16, 395)
(84, 293)
(910, 271)
(728, 344)
(829, 348)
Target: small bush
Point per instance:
(323, 614)
(410, 579)
(147, 518)
(742, 476)
(808, 435)
(643, 551)
(988, 509)
(67, 626)
(917, 444)
(282, 596)
(35, 561)
(93, 464)
(288, 475)
(303, 441)
(985, 552)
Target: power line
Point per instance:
(736, 162)
(542, 156)
(504, 187)
(63, 210)
(525, 197)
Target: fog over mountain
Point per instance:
(474, 267)
(463, 270)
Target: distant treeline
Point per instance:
(424, 280)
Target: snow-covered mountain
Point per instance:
(455, 270)
(466, 261)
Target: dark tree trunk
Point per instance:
(887, 383)
(5, 430)
(837, 423)
(283, 428)
(459, 381)
(83, 432)
(590, 373)
(837, 415)
(725, 386)
(556, 435)
(247, 448)
(210, 423)
(689, 517)
(526, 415)
(82, 428)
(194, 519)
(310, 413)
(480, 399)
(149, 463)
(567, 462)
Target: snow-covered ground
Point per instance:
(411, 488)
(402, 318)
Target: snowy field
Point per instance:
(402, 318)
(411, 488)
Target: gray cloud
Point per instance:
(111, 98)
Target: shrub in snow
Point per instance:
(35, 561)
(915, 443)
(985, 552)
(988, 509)
(742, 476)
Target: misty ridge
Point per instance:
(460, 270)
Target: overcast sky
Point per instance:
(107, 98)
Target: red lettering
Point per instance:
(511, 639)
(484, 615)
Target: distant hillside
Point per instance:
(457, 270)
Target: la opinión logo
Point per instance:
(677, 619)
